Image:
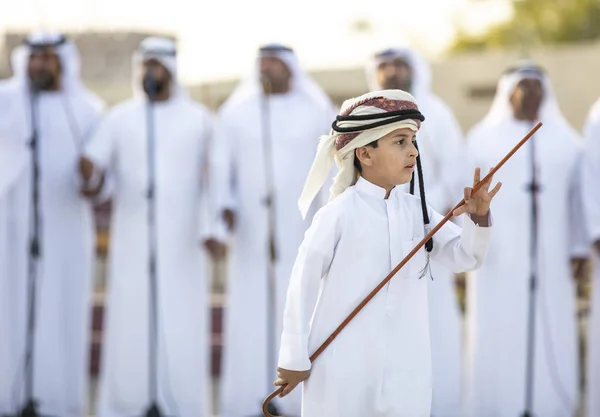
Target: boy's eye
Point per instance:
(400, 142)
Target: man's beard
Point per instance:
(273, 84)
(396, 84)
(529, 105)
(43, 82)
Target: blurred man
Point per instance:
(591, 204)
(441, 147)
(46, 231)
(540, 212)
(270, 128)
(156, 344)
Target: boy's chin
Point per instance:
(403, 181)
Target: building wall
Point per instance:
(467, 82)
(463, 81)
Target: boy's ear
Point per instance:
(364, 156)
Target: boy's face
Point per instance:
(393, 161)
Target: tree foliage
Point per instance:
(536, 22)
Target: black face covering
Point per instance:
(152, 86)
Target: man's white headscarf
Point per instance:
(501, 108)
(162, 49)
(300, 81)
(421, 71)
(362, 120)
(68, 56)
(15, 93)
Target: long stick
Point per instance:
(402, 263)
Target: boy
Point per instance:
(380, 364)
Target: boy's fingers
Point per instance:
(462, 209)
(279, 382)
(288, 388)
(493, 193)
(467, 193)
(476, 176)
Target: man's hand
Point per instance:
(290, 379)
(230, 218)
(578, 269)
(478, 204)
(216, 249)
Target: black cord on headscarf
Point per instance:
(429, 244)
(387, 118)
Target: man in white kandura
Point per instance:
(442, 150)
(156, 347)
(268, 138)
(45, 104)
(591, 205)
(499, 293)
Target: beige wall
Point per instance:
(467, 82)
(574, 72)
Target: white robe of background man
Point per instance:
(498, 293)
(380, 364)
(591, 204)
(182, 131)
(65, 270)
(296, 120)
(441, 148)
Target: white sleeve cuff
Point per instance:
(107, 190)
(216, 230)
(293, 354)
(476, 239)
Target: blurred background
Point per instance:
(468, 42)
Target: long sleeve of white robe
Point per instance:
(222, 173)
(212, 224)
(579, 235)
(453, 247)
(590, 174)
(100, 148)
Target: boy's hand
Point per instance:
(478, 204)
(289, 379)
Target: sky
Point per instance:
(218, 39)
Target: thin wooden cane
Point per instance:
(402, 263)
